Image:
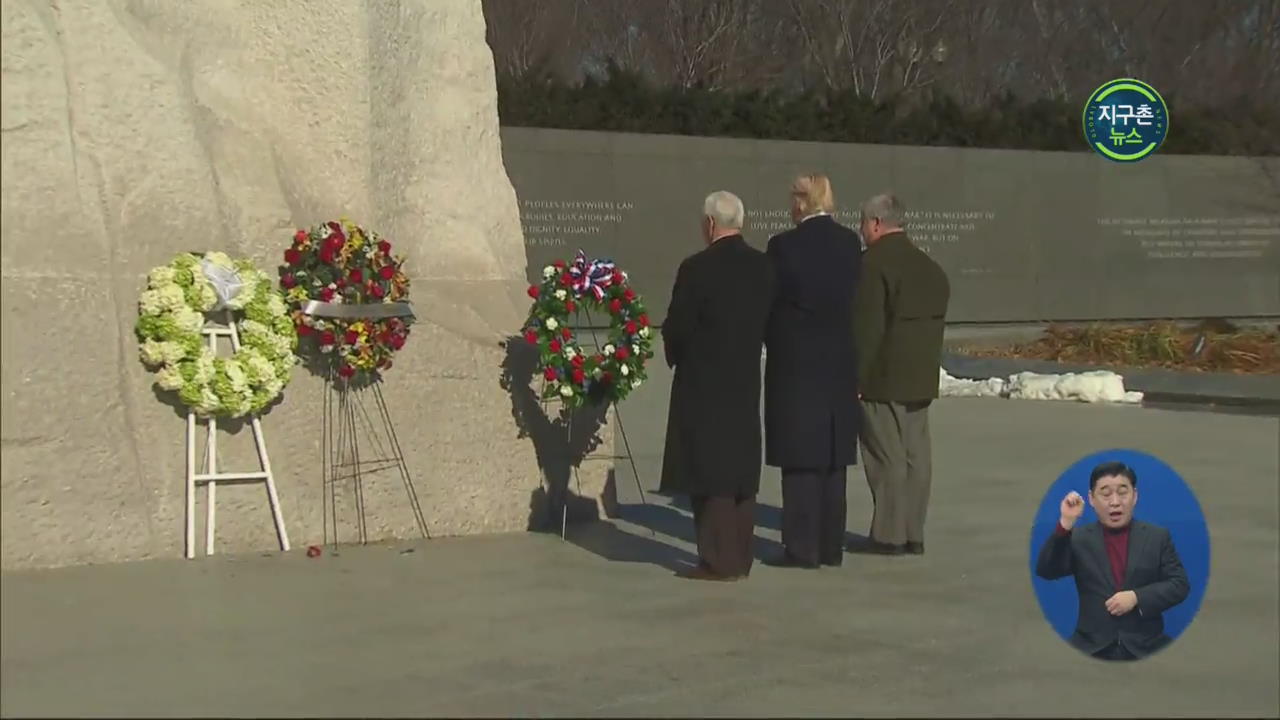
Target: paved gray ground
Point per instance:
(528, 625)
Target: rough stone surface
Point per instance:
(136, 129)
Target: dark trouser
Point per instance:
(813, 514)
(897, 456)
(725, 527)
(1115, 651)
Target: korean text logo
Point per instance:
(1125, 120)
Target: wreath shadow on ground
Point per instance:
(561, 440)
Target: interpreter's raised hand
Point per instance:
(1122, 602)
(1071, 509)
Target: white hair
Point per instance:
(886, 208)
(725, 209)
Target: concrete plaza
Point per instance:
(527, 624)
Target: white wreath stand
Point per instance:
(211, 478)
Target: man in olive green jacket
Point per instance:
(899, 313)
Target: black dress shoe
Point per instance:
(787, 561)
(875, 547)
(915, 548)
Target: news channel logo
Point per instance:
(1125, 120)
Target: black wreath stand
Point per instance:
(349, 432)
(563, 500)
(355, 444)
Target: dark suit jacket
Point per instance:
(1153, 572)
(712, 337)
(811, 386)
(900, 313)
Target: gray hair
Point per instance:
(725, 208)
(886, 208)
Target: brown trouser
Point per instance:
(725, 527)
(897, 457)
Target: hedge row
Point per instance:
(626, 103)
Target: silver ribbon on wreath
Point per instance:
(357, 311)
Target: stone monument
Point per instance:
(137, 129)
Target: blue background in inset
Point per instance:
(1164, 499)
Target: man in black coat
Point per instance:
(811, 386)
(1127, 572)
(712, 336)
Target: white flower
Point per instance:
(275, 304)
(150, 351)
(163, 275)
(171, 352)
(149, 302)
(561, 294)
(253, 328)
(644, 332)
(624, 370)
(552, 323)
(325, 231)
(326, 348)
(635, 383)
(281, 345)
(209, 402)
(597, 373)
(257, 365)
(171, 297)
(548, 272)
(566, 390)
(208, 297)
(204, 369)
(635, 350)
(188, 319)
(570, 353)
(608, 349)
(169, 378)
(273, 386)
(220, 259)
(235, 374)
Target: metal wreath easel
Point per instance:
(345, 418)
(622, 431)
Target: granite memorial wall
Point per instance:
(1025, 236)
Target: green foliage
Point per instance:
(626, 102)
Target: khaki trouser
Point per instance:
(897, 457)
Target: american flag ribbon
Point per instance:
(593, 276)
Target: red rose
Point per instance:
(313, 551)
(570, 306)
(623, 353)
(288, 281)
(326, 294)
(384, 247)
(377, 291)
(566, 333)
(629, 294)
(615, 306)
(533, 291)
(300, 236)
(598, 358)
(578, 375)
(618, 278)
(607, 377)
(326, 255)
(397, 342)
(346, 371)
(327, 337)
(644, 321)
(576, 361)
(385, 337)
(335, 242)
(304, 329)
(549, 373)
(340, 282)
(566, 280)
(357, 276)
(630, 327)
(554, 346)
(352, 337)
(531, 336)
(386, 272)
(292, 256)
(558, 263)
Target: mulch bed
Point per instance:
(1211, 346)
